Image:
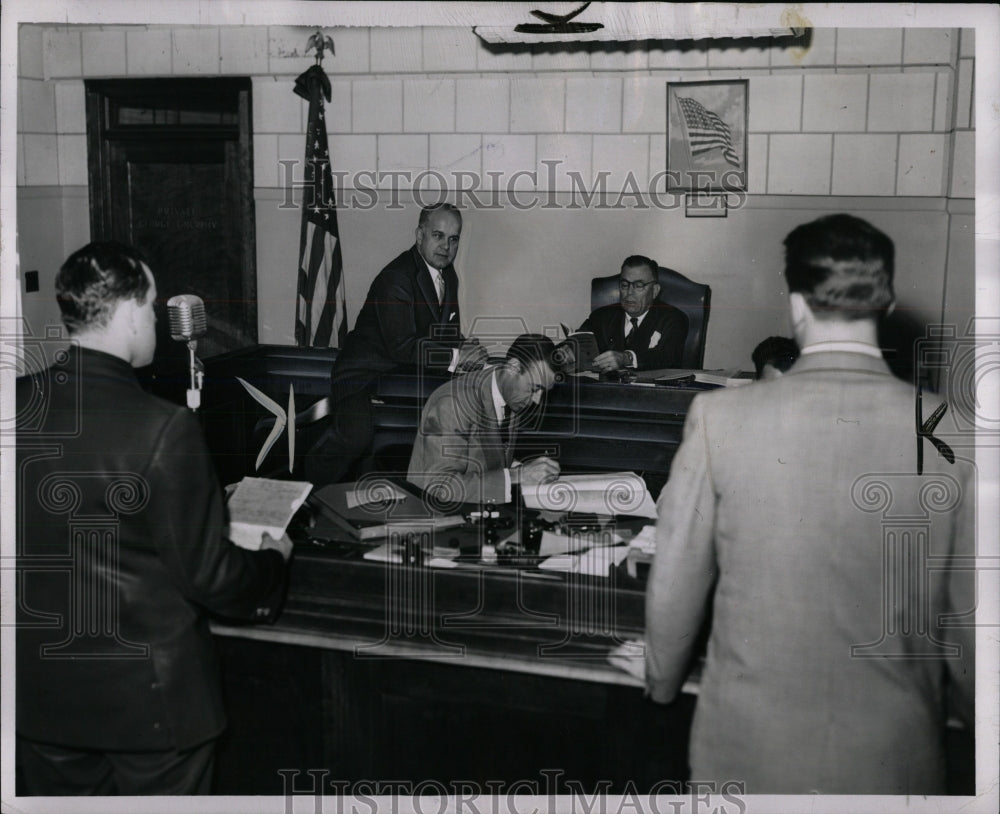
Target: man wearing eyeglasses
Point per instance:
(641, 332)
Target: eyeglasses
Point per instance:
(637, 285)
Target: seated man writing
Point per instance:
(464, 449)
(641, 332)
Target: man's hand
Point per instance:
(471, 355)
(610, 360)
(282, 546)
(539, 470)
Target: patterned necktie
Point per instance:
(439, 285)
(505, 426)
(633, 335)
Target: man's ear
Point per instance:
(513, 365)
(124, 315)
(800, 310)
(656, 290)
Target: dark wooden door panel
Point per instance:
(171, 171)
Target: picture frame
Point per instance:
(707, 125)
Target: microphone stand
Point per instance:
(197, 376)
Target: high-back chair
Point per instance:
(694, 299)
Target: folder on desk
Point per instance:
(372, 510)
(702, 379)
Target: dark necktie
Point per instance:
(633, 336)
(505, 426)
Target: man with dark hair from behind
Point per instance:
(122, 553)
(464, 450)
(830, 655)
(774, 356)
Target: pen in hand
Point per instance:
(541, 469)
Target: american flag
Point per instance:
(706, 131)
(321, 309)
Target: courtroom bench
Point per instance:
(590, 426)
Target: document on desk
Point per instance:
(432, 556)
(595, 562)
(630, 657)
(261, 505)
(618, 493)
(678, 377)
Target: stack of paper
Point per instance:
(261, 505)
(630, 657)
(645, 540)
(595, 562)
(615, 494)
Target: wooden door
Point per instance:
(171, 173)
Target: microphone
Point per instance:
(186, 313)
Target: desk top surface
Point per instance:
(507, 615)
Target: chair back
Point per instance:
(694, 299)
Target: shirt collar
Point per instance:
(640, 318)
(842, 346)
(435, 273)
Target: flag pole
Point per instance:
(321, 307)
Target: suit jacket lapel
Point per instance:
(426, 285)
(493, 451)
(618, 330)
(646, 328)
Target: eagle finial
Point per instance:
(557, 19)
(320, 43)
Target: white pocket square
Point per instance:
(654, 340)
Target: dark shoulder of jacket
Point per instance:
(400, 272)
(171, 417)
(406, 264)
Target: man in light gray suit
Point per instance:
(830, 666)
(464, 450)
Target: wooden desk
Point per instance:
(477, 674)
(488, 677)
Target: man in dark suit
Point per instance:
(641, 332)
(800, 509)
(464, 449)
(410, 319)
(122, 554)
(773, 357)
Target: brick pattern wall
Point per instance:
(879, 112)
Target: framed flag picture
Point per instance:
(707, 135)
